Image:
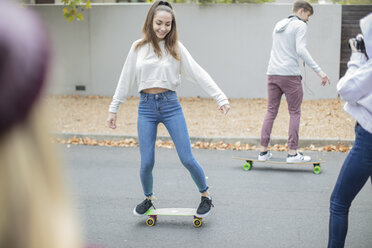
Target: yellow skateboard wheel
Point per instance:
(197, 222)
(150, 221)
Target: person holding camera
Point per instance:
(284, 77)
(356, 89)
(155, 64)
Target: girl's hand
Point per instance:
(224, 109)
(324, 78)
(111, 120)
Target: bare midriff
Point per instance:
(154, 90)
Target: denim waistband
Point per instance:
(165, 95)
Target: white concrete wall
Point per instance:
(232, 42)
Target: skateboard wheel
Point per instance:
(247, 166)
(317, 169)
(197, 222)
(150, 221)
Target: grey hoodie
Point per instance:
(289, 44)
(356, 86)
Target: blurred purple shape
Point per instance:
(24, 55)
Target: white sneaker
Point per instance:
(298, 158)
(264, 157)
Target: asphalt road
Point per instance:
(270, 206)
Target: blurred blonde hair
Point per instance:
(35, 210)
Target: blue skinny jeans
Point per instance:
(355, 171)
(164, 108)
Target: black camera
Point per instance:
(358, 43)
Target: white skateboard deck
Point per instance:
(172, 211)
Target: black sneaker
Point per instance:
(142, 208)
(204, 207)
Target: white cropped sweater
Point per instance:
(144, 68)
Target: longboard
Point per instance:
(154, 213)
(249, 163)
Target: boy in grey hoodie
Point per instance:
(284, 77)
(356, 89)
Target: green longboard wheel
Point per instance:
(197, 222)
(317, 169)
(150, 221)
(247, 166)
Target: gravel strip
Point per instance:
(321, 119)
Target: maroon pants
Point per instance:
(292, 88)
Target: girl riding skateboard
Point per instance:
(154, 65)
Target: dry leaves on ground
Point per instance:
(197, 145)
(87, 114)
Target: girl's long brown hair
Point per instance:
(149, 35)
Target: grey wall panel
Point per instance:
(232, 42)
